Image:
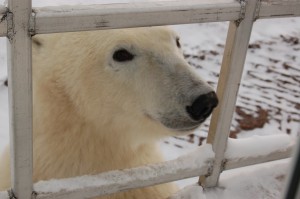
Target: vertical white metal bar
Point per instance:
(230, 76)
(20, 97)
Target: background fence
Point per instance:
(19, 22)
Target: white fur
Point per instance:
(93, 114)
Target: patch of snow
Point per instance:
(271, 128)
(190, 192)
(259, 181)
(268, 28)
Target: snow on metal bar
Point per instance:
(191, 165)
(257, 149)
(279, 8)
(108, 16)
(239, 153)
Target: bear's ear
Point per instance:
(122, 55)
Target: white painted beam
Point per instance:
(276, 9)
(96, 17)
(257, 149)
(228, 85)
(108, 16)
(233, 163)
(191, 165)
(20, 97)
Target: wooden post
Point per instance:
(230, 76)
(20, 97)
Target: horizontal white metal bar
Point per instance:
(96, 17)
(191, 165)
(247, 161)
(108, 16)
(257, 149)
(275, 9)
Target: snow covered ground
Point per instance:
(258, 181)
(268, 100)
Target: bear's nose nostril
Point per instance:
(202, 107)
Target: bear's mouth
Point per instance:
(178, 125)
(186, 129)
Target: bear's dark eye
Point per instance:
(122, 55)
(178, 43)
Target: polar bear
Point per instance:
(102, 100)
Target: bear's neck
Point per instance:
(71, 146)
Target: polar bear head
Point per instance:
(134, 79)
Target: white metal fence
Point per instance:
(19, 22)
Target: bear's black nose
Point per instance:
(202, 107)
